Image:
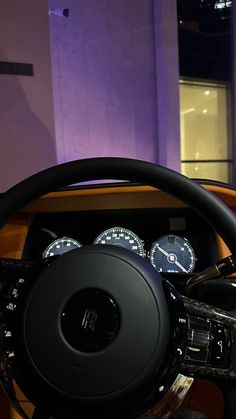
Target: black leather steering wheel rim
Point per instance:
(205, 203)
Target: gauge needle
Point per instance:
(180, 266)
(176, 262)
(163, 251)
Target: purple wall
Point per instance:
(104, 77)
(27, 138)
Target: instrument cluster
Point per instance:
(172, 241)
(169, 253)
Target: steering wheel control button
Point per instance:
(198, 335)
(90, 320)
(220, 345)
(209, 343)
(199, 323)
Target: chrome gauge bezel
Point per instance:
(58, 242)
(106, 236)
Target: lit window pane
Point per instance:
(204, 122)
(208, 170)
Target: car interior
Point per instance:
(118, 298)
(118, 209)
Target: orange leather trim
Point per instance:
(119, 197)
(106, 198)
(228, 196)
(13, 235)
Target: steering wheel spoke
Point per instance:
(9, 266)
(210, 350)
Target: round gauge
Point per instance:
(60, 246)
(122, 237)
(172, 253)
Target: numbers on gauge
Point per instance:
(171, 253)
(61, 246)
(122, 237)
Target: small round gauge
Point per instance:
(60, 246)
(122, 237)
(172, 253)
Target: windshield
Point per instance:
(145, 79)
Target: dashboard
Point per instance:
(169, 234)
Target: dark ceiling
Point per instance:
(205, 29)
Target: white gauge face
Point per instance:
(60, 246)
(122, 237)
(172, 253)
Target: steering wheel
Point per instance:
(96, 332)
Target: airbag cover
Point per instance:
(139, 323)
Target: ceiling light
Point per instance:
(187, 111)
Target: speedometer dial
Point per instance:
(172, 253)
(122, 237)
(60, 246)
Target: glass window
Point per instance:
(205, 134)
(205, 63)
(208, 170)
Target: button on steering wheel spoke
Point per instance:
(210, 333)
(15, 275)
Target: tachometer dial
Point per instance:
(60, 246)
(122, 237)
(172, 253)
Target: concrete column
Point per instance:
(103, 63)
(167, 81)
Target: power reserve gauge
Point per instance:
(171, 253)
